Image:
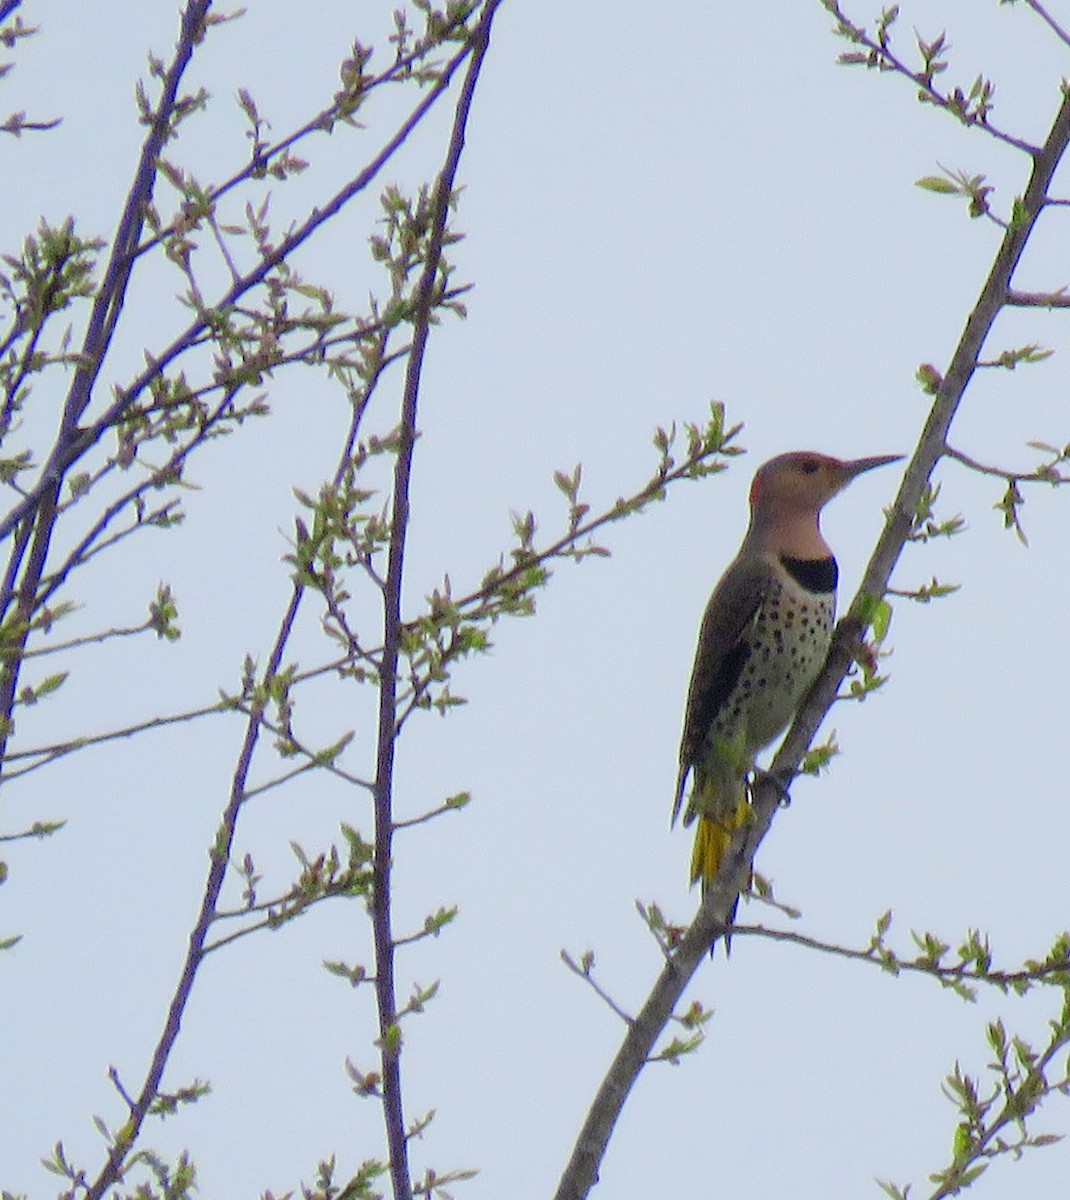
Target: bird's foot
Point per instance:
(758, 776)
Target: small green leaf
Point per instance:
(50, 683)
(881, 619)
(434, 923)
(962, 1142)
(929, 378)
(892, 1190)
(817, 758)
(936, 183)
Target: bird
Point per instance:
(763, 639)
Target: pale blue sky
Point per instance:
(691, 204)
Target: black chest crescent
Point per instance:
(818, 575)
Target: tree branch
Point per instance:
(1056, 299)
(956, 973)
(220, 855)
(581, 1173)
(390, 1034)
(40, 508)
(1050, 21)
(69, 449)
(582, 1170)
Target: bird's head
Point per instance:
(804, 481)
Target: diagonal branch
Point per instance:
(581, 1174)
(112, 1170)
(714, 913)
(112, 292)
(39, 510)
(1050, 21)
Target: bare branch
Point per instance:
(42, 755)
(1043, 475)
(584, 972)
(1056, 299)
(1050, 21)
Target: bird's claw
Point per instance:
(758, 776)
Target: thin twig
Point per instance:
(76, 643)
(410, 822)
(955, 974)
(599, 991)
(117, 1083)
(56, 750)
(286, 777)
(1000, 473)
(1050, 21)
(1012, 1112)
(39, 829)
(323, 122)
(1056, 299)
(891, 61)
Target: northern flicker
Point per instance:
(764, 637)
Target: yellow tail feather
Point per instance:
(712, 839)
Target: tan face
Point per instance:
(806, 480)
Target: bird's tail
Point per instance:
(712, 839)
(713, 836)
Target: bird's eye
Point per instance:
(808, 466)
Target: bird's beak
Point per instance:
(858, 465)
